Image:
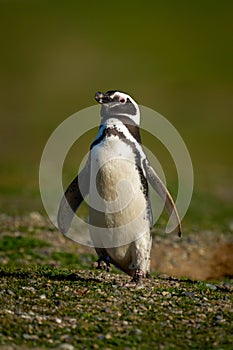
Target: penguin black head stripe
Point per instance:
(118, 103)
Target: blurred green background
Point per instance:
(173, 56)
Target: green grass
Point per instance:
(20, 248)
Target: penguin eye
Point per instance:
(121, 99)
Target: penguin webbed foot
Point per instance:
(138, 277)
(102, 264)
(137, 280)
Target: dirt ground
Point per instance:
(203, 255)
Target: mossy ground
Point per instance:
(53, 298)
(48, 307)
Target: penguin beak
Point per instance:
(102, 98)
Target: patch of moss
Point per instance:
(46, 307)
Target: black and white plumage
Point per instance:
(116, 177)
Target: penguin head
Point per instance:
(116, 104)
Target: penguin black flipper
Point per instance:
(164, 194)
(73, 198)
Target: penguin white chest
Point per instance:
(117, 196)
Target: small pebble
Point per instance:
(164, 293)
(42, 296)
(30, 336)
(66, 346)
(101, 336)
(9, 292)
(211, 286)
(58, 320)
(135, 331)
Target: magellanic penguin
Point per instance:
(116, 177)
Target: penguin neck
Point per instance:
(122, 121)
